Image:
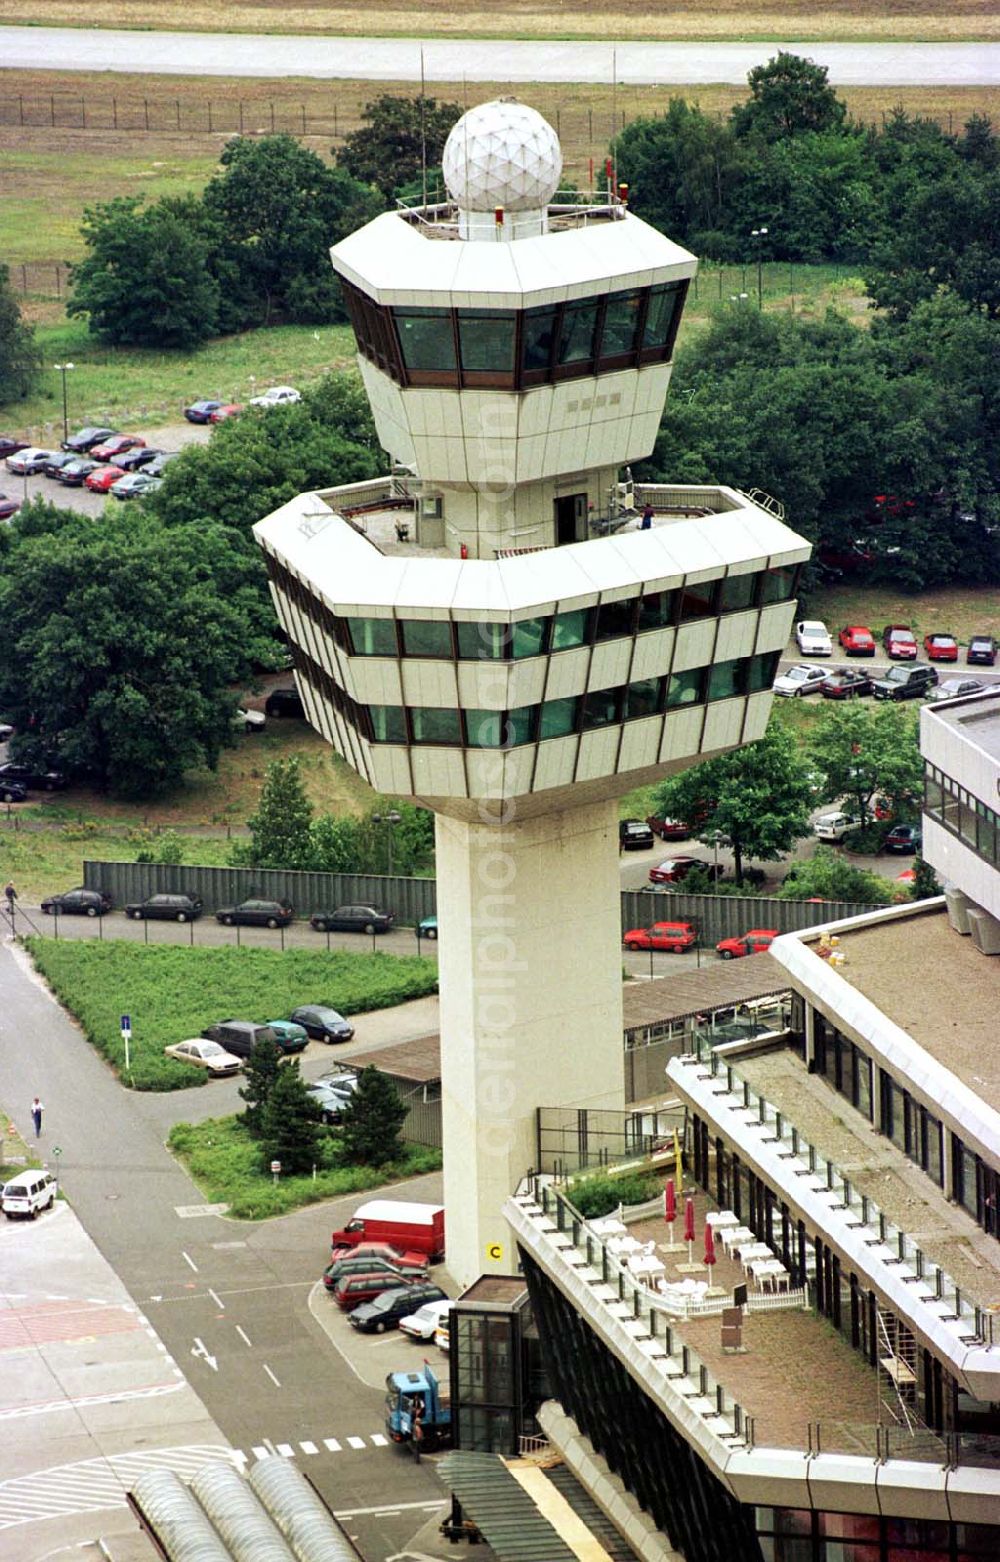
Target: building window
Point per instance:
(576, 335)
(698, 601)
(761, 672)
(571, 629)
(601, 708)
(388, 723)
(558, 718)
(778, 584)
(738, 593)
(725, 679)
(373, 636)
(528, 637)
(436, 724)
(685, 688)
(487, 345)
(656, 610)
(482, 641)
(426, 340)
(643, 698)
(615, 620)
(537, 336)
(661, 313)
(621, 325)
(426, 637)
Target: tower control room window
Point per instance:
(538, 330)
(486, 340)
(373, 636)
(576, 336)
(427, 342)
(661, 316)
(622, 313)
(426, 637)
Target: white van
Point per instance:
(27, 1193)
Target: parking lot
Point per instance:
(171, 437)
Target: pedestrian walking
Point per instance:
(11, 894)
(647, 519)
(36, 1116)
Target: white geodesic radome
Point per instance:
(502, 154)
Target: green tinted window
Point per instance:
(660, 316)
(737, 593)
(778, 585)
(426, 637)
(761, 672)
(433, 724)
(373, 636)
(528, 637)
(615, 619)
(484, 728)
(487, 341)
(621, 320)
(685, 688)
(425, 338)
(537, 332)
(482, 641)
(724, 680)
(643, 698)
(571, 629)
(557, 718)
(656, 610)
(388, 723)
(601, 708)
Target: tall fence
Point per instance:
(727, 916)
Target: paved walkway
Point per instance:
(398, 59)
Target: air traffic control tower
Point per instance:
(494, 632)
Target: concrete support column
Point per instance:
(531, 1002)
(810, 1037)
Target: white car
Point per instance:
(249, 720)
(424, 1323)
(813, 638)
(833, 827)
(27, 1193)
(800, 680)
(277, 396)
(207, 1055)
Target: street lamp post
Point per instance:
(758, 235)
(391, 819)
(63, 369)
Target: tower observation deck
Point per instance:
(494, 632)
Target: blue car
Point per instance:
(201, 411)
(428, 928)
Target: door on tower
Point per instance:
(571, 519)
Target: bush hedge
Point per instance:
(172, 992)
(600, 1194)
(224, 1161)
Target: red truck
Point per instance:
(415, 1228)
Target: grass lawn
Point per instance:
(42, 861)
(172, 993)
(958, 610)
(225, 1162)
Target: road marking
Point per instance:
(331, 1444)
(189, 1260)
(259, 1453)
(355, 1442)
(309, 1448)
(396, 1507)
(216, 1299)
(271, 1375)
(45, 1407)
(198, 1349)
(94, 1484)
(285, 1450)
(378, 1441)
(193, 1211)
(244, 1336)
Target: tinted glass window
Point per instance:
(433, 724)
(614, 619)
(660, 316)
(482, 641)
(601, 708)
(528, 637)
(426, 637)
(520, 725)
(487, 341)
(685, 688)
(484, 728)
(425, 338)
(656, 610)
(778, 585)
(557, 718)
(576, 338)
(643, 698)
(737, 593)
(621, 319)
(388, 723)
(761, 672)
(537, 332)
(698, 601)
(373, 636)
(724, 680)
(570, 629)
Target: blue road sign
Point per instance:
(126, 1022)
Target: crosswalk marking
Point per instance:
(285, 1450)
(379, 1441)
(259, 1453)
(331, 1444)
(310, 1448)
(355, 1442)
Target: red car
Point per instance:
(10, 445)
(856, 640)
(674, 869)
(231, 409)
(100, 480)
(8, 507)
(116, 446)
(752, 943)
(941, 648)
(676, 936)
(898, 643)
(669, 829)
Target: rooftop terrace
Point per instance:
(938, 988)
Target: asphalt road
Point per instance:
(231, 1301)
(399, 59)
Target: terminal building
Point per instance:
(509, 630)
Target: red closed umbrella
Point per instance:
(669, 1202)
(709, 1245)
(689, 1220)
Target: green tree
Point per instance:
(758, 796)
(119, 648)
(867, 750)
(683, 173)
(260, 1071)
(788, 95)
(926, 883)
(829, 876)
(399, 138)
(372, 1120)
(146, 277)
(290, 1124)
(278, 208)
(20, 358)
(280, 828)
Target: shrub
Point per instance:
(600, 1194)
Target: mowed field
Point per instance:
(651, 19)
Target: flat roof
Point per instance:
(418, 1060)
(717, 986)
(495, 1288)
(937, 987)
(977, 717)
(947, 1234)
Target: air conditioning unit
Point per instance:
(984, 930)
(958, 910)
